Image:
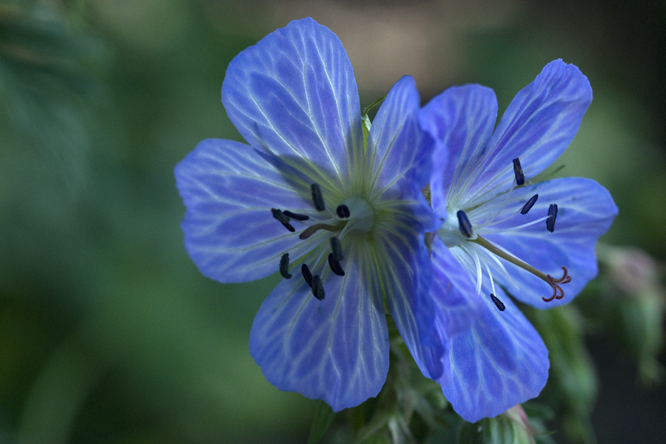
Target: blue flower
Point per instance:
(503, 234)
(341, 217)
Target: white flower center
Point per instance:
(450, 233)
(362, 216)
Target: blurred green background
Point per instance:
(108, 332)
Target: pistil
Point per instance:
(312, 229)
(558, 293)
(342, 211)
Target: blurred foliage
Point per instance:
(108, 333)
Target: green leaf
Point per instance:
(323, 418)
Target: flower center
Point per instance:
(362, 217)
(451, 231)
(353, 216)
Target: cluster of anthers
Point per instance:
(341, 223)
(466, 229)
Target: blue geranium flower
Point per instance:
(341, 218)
(501, 233)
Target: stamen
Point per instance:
(317, 198)
(283, 219)
(312, 229)
(318, 287)
(464, 224)
(336, 248)
(499, 304)
(552, 215)
(343, 211)
(335, 265)
(518, 171)
(296, 216)
(558, 293)
(284, 266)
(530, 203)
(306, 274)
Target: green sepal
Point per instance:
(323, 418)
(511, 427)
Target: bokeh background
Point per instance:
(108, 332)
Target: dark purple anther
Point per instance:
(518, 171)
(530, 203)
(318, 287)
(499, 304)
(284, 266)
(317, 198)
(552, 215)
(296, 216)
(336, 248)
(283, 219)
(306, 274)
(335, 265)
(464, 224)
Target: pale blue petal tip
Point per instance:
(294, 94)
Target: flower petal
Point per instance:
(460, 121)
(405, 273)
(399, 160)
(586, 211)
(229, 191)
(335, 349)
(452, 291)
(294, 94)
(499, 362)
(537, 127)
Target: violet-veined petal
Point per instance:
(499, 362)
(394, 143)
(453, 292)
(294, 94)
(460, 120)
(229, 191)
(402, 264)
(335, 349)
(537, 127)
